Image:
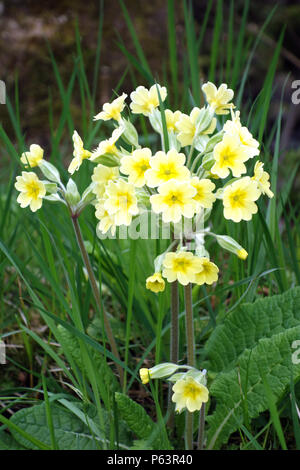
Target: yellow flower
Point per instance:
(204, 196)
(165, 167)
(33, 157)
(238, 199)
(242, 254)
(145, 375)
(181, 266)
(155, 283)
(187, 126)
(121, 202)
(135, 165)
(189, 394)
(172, 119)
(229, 154)
(112, 110)
(79, 153)
(208, 274)
(108, 147)
(235, 127)
(32, 191)
(175, 199)
(106, 220)
(218, 98)
(144, 101)
(262, 179)
(101, 176)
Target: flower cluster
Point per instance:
(182, 181)
(189, 388)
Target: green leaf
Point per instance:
(252, 347)
(140, 423)
(7, 442)
(70, 432)
(248, 323)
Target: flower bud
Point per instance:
(49, 171)
(130, 133)
(72, 194)
(51, 188)
(158, 372)
(231, 245)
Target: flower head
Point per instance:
(208, 274)
(107, 221)
(135, 165)
(238, 199)
(187, 127)
(204, 196)
(112, 110)
(174, 200)
(235, 127)
(181, 266)
(155, 283)
(144, 374)
(172, 119)
(32, 190)
(108, 147)
(120, 201)
(229, 154)
(166, 166)
(218, 98)
(101, 176)
(262, 179)
(242, 254)
(189, 394)
(79, 153)
(33, 157)
(144, 101)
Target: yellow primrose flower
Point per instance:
(189, 394)
(144, 101)
(262, 179)
(166, 166)
(121, 201)
(145, 375)
(175, 199)
(229, 154)
(242, 254)
(218, 98)
(33, 157)
(112, 110)
(32, 190)
(208, 274)
(108, 147)
(238, 199)
(79, 153)
(187, 125)
(172, 119)
(235, 127)
(181, 266)
(106, 220)
(101, 176)
(135, 165)
(204, 196)
(155, 283)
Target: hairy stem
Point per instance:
(189, 324)
(96, 293)
(201, 427)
